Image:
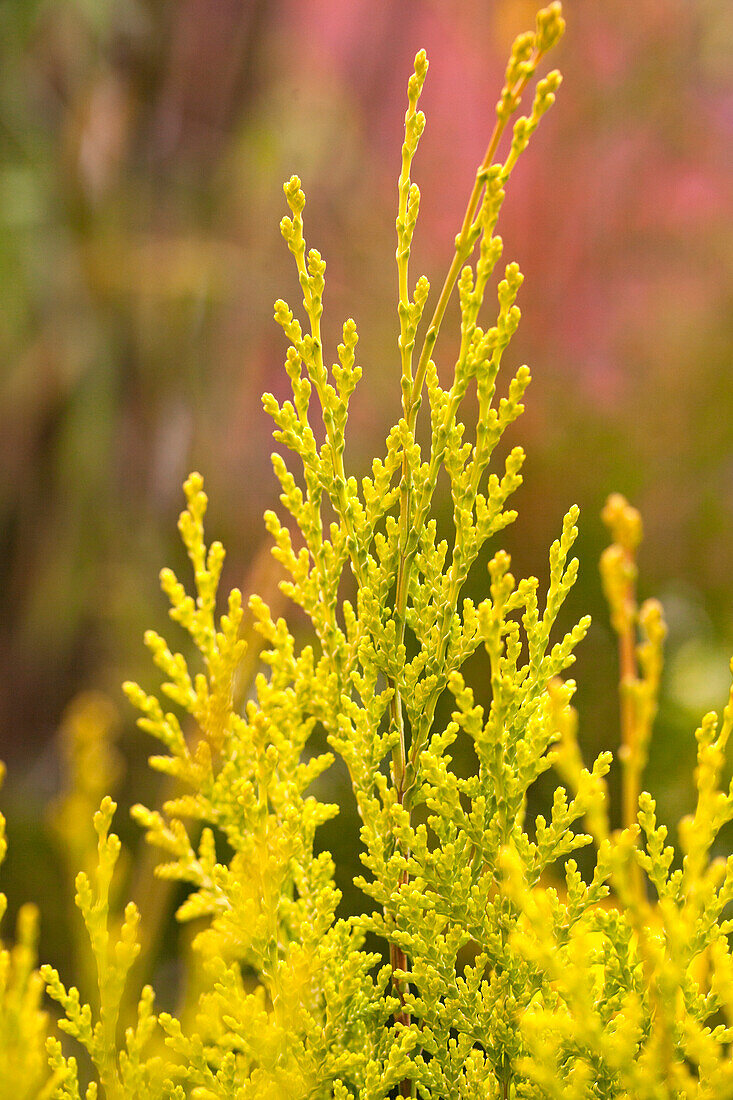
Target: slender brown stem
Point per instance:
(463, 250)
(464, 247)
(398, 961)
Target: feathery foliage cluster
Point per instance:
(510, 974)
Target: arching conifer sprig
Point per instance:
(270, 908)
(408, 581)
(643, 984)
(393, 555)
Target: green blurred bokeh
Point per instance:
(143, 144)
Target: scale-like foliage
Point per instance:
(24, 1073)
(509, 973)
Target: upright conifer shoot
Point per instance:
(509, 973)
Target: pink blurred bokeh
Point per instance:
(146, 149)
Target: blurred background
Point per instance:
(143, 144)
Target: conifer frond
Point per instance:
(515, 969)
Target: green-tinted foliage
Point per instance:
(510, 974)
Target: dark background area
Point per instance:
(143, 145)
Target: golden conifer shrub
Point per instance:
(509, 973)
